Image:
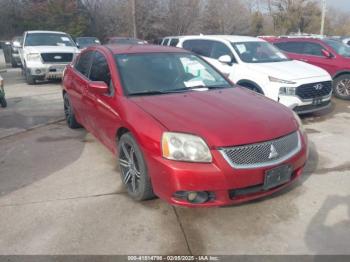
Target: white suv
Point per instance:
(255, 64)
(45, 54)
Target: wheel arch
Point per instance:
(341, 73)
(246, 82)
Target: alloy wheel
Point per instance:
(129, 166)
(343, 87)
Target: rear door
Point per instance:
(293, 50)
(79, 84)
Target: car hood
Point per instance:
(51, 49)
(224, 117)
(289, 70)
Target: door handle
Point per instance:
(304, 60)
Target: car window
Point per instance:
(166, 41)
(84, 63)
(339, 47)
(291, 47)
(312, 49)
(219, 49)
(200, 47)
(100, 70)
(174, 42)
(258, 52)
(166, 73)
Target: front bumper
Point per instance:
(46, 71)
(226, 185)
(305, 106)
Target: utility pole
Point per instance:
(134, 27)
(323, 16)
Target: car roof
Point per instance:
(43, 32)
(230, 38)
(296, 39)
(138, 49)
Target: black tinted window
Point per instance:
(291, 47)
(200, 47)
(84, 63)
(313, 49)
(220, 49)
(174, 42)
(100, 70)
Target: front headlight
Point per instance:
(277, 80)
(185, 147)
(288, 91)
(33, 57)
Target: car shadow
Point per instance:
(324, 237)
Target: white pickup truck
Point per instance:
(45, 54)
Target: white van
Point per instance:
(256, 64)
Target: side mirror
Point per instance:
(98, 88)
(327, 53)
(225, 59)
(16, 44)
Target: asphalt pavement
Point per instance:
(61, 193)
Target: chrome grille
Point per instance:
(309, 91)
(57, 57)
(263, 154)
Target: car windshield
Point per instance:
(48, 39)
(87, 41)
(339, 48)
(161, 73)
(258, 52)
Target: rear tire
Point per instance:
(133, 169)
(3, 102)
(69, 113)
(341, 87)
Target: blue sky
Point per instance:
(343, 5)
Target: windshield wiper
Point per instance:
(159, 92)
(208, 87)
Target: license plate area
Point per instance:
(277, 176)
(317, 101)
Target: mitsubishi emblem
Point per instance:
(273, 152)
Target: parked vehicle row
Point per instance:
(329, 54)
(257, 65)
(181, 130)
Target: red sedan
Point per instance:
(181, 130)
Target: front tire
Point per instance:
(29, 78)
(341, 87)
(133, 169)
(69, 113)
(251, 87)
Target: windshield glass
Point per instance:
(48, 39)
(87, 41)
(154, 73)
(339, 48)
(258, 52)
